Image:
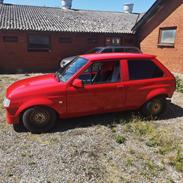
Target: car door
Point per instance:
(103, 92)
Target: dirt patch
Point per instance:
(117, 147)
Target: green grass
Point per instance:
(129, 161)
(132, 151)
(113, 130)
(177, 161)
(9, 174)
(32, 163)
(163, 139)
(2, 110)
(120, 139)
(179, 85)
(154, 137)
(139, 128)
(152, 168)
(4, 81)
(2, 94)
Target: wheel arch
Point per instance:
(157, 93)
(148, 113)
(36, 103)
(154, 94)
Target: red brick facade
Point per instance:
(169, 15)
(15, 57)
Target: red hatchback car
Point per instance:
(91, 84)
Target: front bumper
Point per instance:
(11, 119)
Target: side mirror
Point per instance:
(77, 83)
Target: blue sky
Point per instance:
(109, 5)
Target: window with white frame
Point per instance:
(167, 36)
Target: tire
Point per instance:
(154, 108)
(19, 128)
(39, 119)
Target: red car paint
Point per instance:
(70, 99)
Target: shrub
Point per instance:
(140, 128)
(179, 84)
(113, 130)
(129, 161)
(152, 168)
(120, 139)
(177, 161)
(151, 143)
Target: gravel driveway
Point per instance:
(108, 148)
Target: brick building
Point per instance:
(35, 39)
(160, 32)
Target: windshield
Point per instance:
(66, 73)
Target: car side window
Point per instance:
(143, 69)
(107, 50)
(131, 50)
(118, 50)
(102, 72)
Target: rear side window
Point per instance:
(131, 50)
(143, 69)
(118, 50)
(107, 50)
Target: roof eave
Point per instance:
(147, 15)
(68, 31)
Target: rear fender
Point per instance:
(157, 92)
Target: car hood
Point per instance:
(39, 84)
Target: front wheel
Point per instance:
(154, 108)
(39, 119)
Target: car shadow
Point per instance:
(173, 111)
(110, 119)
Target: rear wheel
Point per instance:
(154, 108)
(39, 119)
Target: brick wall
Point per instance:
(170, 14)
(15, 57)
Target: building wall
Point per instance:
(15, 57)
(171, 14)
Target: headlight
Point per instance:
(6, 102)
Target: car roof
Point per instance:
(108, 56)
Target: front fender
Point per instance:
(34, 102)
